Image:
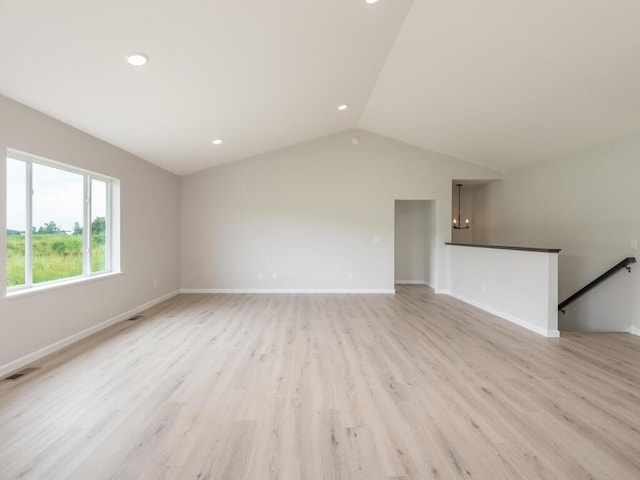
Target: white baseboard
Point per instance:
(287, 290)
(43, 352)
(414, 282)
(633, 330)
(506, 316)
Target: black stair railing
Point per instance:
(623, 264)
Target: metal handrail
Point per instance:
(623, 264)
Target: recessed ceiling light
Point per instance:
(371, 2)
(342, 107)
(217, 141)
(137, 59)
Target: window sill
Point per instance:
(27, 292)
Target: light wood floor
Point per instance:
(411, 386)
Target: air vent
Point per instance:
(22, 373)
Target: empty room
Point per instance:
(308, 240)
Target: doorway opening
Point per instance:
(415, 242)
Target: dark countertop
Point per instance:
(505, 247)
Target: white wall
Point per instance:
(520, 286)
(415, 239)
(149, 237)
(587, 204)
(310, 213)
(480, 214)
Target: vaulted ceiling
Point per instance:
(499, 82)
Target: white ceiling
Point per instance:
(498, 82)
(504, 83)
(259, 74)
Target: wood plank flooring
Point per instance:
(411, 386)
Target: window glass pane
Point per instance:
(16, 221)
(57, 219)
(98, 225)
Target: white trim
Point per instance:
(511, 318)
(633, 330)
(415, 282)
(28, 234)
(18, 292)
(32, 157)
(86, 227)
(108, 244)
(287, 290)
(14, 365)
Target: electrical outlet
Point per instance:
(350, 276)
(259, 276)
(376, 239)
(634, 244)
(155, 283)
(274, 276)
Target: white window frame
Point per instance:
(111, 224)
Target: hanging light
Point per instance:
(457, 220)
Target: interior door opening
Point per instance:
(415, 242)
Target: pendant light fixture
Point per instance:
(457, 220)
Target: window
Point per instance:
(60, 222)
